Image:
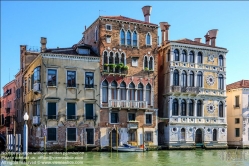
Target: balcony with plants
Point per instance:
(115, 69)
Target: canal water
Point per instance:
(230, 157)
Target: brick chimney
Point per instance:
(197, 40)
(146, 12)
(165, 31)
(207, 39)
(43, 44)
(212, 35)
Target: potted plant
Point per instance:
(125, 67)
(112, 67)
(146, 69)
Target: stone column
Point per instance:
(195, 108)
(179, 107)
(187, 108)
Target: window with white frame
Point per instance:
(71, 111)
(52, 77)
(191, 57)
(71, 78)
(89, 80)
(36, 108)
(199, 79)
(184, 56)
(140, 92)
(108, 39)
(148, 94)
(148, 136)
(220, 82)
(176, 55)
(114, 117)
(114, 90)
(122, 37)
(90, 136)
(51, 134)
(146, 63)
(71, 134)
(131, 92)
(221, 62)
(89, 111)
(148, 39)
(184, 78)
(105, 91)
(122, 91)
(148, 118)
(128, 38)
(151, 63)
(191, 79)
(134, 61)
(131, 116)
(175, 107)
(199, 57)
(108, 27)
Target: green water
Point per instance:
(229, 157)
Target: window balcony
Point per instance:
(128, 104)
(132, 125)
(200, 120)
(189, 90)
(112, 69)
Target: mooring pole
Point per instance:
(117, 138)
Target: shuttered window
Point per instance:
(71, 134)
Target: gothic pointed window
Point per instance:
(140, 92)
(176, 55)
(105, 91)
(131, 93)
(199, 79)
(183, 108)
(122, 37)
(128, 38)
(221, 113)
(105, 60)
(191, 57)
(191, 108)
(134, 39)
(221, 82)
(148, 39)
(114, 90)
(148, 94)
(122, 91)
(151, 63)
(221, 63)
(199, 57)
(145, 62)
(199, 108)
(191, 79)
(184, 78)
(184, 56)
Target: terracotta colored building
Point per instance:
(128, 84)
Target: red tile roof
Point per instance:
(188, 41)
(239, 84)
(127, 19)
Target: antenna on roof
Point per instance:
(102, 11)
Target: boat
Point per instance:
(129, 148)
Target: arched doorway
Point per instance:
(214, 135)
(198, 137)
(2, 143)
(113, 138)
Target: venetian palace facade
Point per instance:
(193, 97)
(128, 87)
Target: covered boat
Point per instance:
(129, 148)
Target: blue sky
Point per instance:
(62, 23)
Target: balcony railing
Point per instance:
(179, 89)
(128, 104)
(132, 125)
(203, 120)
(114, 70)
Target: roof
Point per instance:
(239, 84)
(188, 41)
(127, 19)
(72, 50)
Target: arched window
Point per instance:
(191, 57)
(182, 134)
(105, 60)
(199, 79)
(105, 91)
(183, 108)
(191, 79)
(116, 62)
(184, 56)
(123, 58)
(131, 92)
(96, 33)
(111, 58)
(191, 108)
(176, 78)
(214, 135)
(140, 96)
(148, 94)
(221, 113)
(122, 37)
(176, 55)
(122, 91)
(221, 60)
(151, 64)
(220, 82)
(175, 107)
(199, 57)
(128, 38)
(148, 39)
(184, 78)
(168, 55)
(145, 62)
(199, 108)
(134, 39)
(114, 86)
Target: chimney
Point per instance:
(43, 44)
(165, 31)
(207, 38)
(197, 40)
(146, 12)
(213, 34)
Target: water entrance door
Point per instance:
(198, 137)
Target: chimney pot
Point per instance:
(207, 38)
(147, 12)
(165, 31)
(197, 40)
(213, 34)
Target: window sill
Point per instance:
(71, 119)
(89, 88)
(148, 124)
(114, 123)
(52, 141)
(50, 86)
(71, 87)
(71, 141)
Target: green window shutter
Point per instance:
(89, 111)
(70, 110)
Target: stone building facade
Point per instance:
(238, 114)
(192, 83)
(128, 83)
(61, 97)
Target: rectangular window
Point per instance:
(134, 61)
(108, 39)
(71, 134)
(52, 77)
(89, 111)
(108, 27)
(114, 117)
(237, 132)
(36, 111)
(148, 136)
(51, 110)
(131, 116)
(237, 121)
(148, 118)
(132, 135)
(90, 136)
(71, 111)
(51, 134)
(71, 78)
(89, 80)
(236, 101)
